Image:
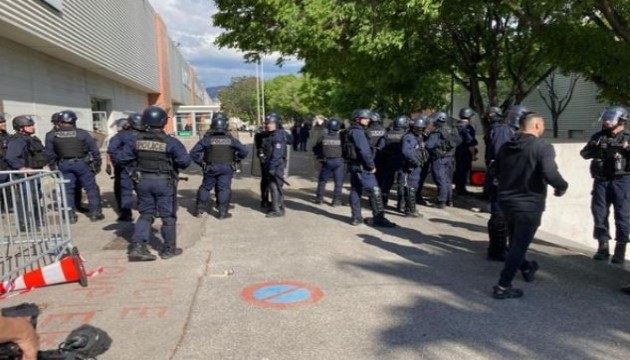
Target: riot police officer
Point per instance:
(158, 159)
(25, 151)
(123, 168)
(215, 153)
(393, 160)
(494, 115)
(426, 167)
(465, 151)
(4, 141)
(328, 150)
(376, 136)
(74, 152)
(259, 139)
(441, 145)
(500, 133)
(274, 153)
(359, 154)
(414, 156)
(610, 168)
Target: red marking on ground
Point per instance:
(96, 292)
(248, 294)
(78, 318)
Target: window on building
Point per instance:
(100, 113)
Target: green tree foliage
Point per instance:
(588, 37)
(239, 99)
(282, 94)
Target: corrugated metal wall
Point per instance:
(578, 121)
(178, 68)
(117, 37)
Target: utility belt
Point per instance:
(74, 159)
(333, 158)
(138, 175)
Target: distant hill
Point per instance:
(213, 91)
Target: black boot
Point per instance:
(170, 250)
(276, 203)
(199, 210)
(140, 252)
(378, 210)
(125, 216)
(223, 212)
(497, 234)
(318, 200)
(72, 217)
(620, 253)
(603, 253)
(410, 204)
(96, 215)
(336, 202)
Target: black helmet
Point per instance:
(494, 113)
(514, 114)
(23, 120)
(376, 117)
(420, 122)
(154, 116)
(54, 118)
(219, 122)
(333, 124)
(438, 117)
(122, 123)
(401, 122)
(466, 113)
(135, 122)
(67, 117)
(361, 114)
(273, 117)
(615, 114)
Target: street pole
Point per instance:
(262, 85)
(258, 118)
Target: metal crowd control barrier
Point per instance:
(34, 225)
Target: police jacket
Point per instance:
(4, 142)
(328, 146)
(413, 150)
(274, 149)
(116, 145)
(392, 145)
(376, 134)
(467, 134)
(609, 156)
(25, 151)
(155, 152)
(499, 134)
(217, 148)
(442, 142)
(68, 142)
(359, 143)
(525, 165)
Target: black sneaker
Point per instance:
(601, 255)
(168, 252)
(440, 205)
(140, 252)
(125, 218)
(96, 217)
(224, 215)
(275, 214)
(356, 221)
(529, 274)
(506, 293)
(336, 203)
(82, 209)
(318, 201)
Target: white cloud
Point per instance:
(189, 23)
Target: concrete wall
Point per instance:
(32, 82)
(570, 216)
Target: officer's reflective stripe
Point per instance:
(331, 142)
(66, 134)
(148, 145)
(374, 133)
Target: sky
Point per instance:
(189, 23)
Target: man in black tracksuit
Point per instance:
(525, 165)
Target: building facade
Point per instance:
(101, 59)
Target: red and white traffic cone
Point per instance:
(67, 270)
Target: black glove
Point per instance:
(108, 169)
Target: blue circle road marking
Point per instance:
(281, 294)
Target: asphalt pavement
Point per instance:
(311, 286)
